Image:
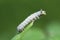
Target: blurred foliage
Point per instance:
(12, 12)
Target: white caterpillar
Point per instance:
(30, 18)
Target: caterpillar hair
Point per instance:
(30, 18)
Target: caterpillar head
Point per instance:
(43, 12)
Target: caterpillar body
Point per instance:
(30, 18)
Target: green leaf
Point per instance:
(21, 35)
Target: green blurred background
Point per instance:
(12, 12)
